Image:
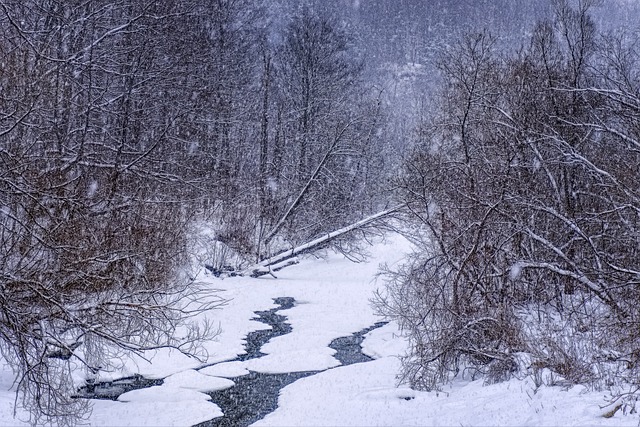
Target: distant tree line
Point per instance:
(524, 190)
(122, 123)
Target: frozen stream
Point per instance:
(331, 300)
(255, 395)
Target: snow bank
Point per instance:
(365, 394)
(332, 300)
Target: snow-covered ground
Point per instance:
(332, 300)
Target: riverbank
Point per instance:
(331, 300)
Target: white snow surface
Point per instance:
(332, 300)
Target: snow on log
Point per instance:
(284, 259)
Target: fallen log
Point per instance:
(287, 258)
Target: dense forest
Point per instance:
(131, 129)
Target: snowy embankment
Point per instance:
(332, 300)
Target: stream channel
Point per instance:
(256, 394)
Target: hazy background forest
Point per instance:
(132, 132)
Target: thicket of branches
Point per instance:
(92, 189)
(525, 189)
(284, 134)
(312, 159)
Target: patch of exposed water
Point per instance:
(256, 339)
(348, 349)
(251, 398)
(111, 390)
